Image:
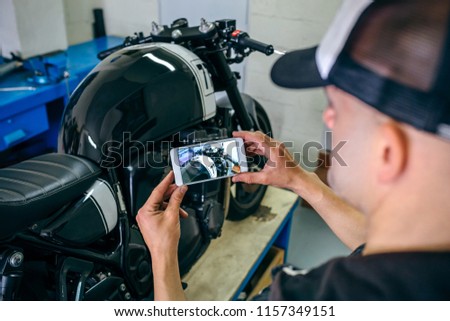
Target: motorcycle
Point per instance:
(67, 220)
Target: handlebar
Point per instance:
(243, 40)
(105, 53)
(223, 30)
(129, 41)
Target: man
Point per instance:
(385, 66)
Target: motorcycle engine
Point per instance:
(204, 202)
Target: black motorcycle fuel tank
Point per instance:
(141, 93)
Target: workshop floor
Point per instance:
(311, 241)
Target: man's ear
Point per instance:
(392, 152)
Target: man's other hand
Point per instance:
(159, 217)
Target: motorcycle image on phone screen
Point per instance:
(67, 219)
(208, 161)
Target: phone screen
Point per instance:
(211, 160)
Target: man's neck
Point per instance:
(410, 224)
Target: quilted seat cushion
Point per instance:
(34, 189)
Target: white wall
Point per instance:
(80, 19)
(122, 18)
(288, 25)
(211, 10)
(32, 28)
(9, 33)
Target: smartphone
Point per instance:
(208, 161)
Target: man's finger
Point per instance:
(261, 142)
(251, 137)
(176, 199)
(157, 196)
(253, 149)
(251, 178)
(183, 213)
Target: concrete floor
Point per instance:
(311, 242)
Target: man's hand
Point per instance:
(281, 170)
(159, 220)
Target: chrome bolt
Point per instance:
(16, 259)
(127, 296)
(156, 28)
(176, 34)
(122, 287)
(205, 26)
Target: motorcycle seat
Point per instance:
(34, 189)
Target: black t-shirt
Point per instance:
(390, 276)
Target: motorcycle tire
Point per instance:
(245, 199)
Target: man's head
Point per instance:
(386, 69)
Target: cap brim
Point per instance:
(298, 69)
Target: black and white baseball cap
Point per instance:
(392, 54)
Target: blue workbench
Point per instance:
(30, 119)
